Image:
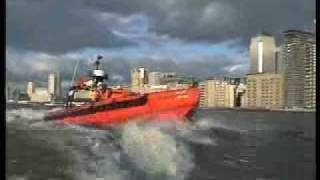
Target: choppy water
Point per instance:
(223, 145)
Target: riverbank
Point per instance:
(257, 109)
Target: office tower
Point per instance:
(203, 89)
(58, 85)
(135, 80)
(51, 83)
(216, 93)
(262, 54)
(240, 100)
(300, 61)
(154, 78)
(310, 76)
(279, 64)
(30, 88)
(138, 79)
(54, 85)
(40, 94)
(169, 78)
(265, 90)
(232, 80)
(244, 99)
(168, 75)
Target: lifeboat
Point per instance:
(113, 107)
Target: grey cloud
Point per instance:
(27, 66)
(57, 27)
(217, 20)
(36, 66)
(211, 66)
(60, 26)
(228, 19)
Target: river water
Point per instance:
(222, 145)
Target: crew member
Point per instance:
(70, 96)
(94, 96)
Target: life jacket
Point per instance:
(93, 95)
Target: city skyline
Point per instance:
(134, 36)
(277, 65)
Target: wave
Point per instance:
(150, 151)
(145, 151)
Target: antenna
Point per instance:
(74, 72)
(99, 57)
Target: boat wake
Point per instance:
(149, 151)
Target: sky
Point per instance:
(191, 37)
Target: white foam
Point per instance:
(17, 178)
(151, 150)
(24, 115)
(207, 124)
(158, 151)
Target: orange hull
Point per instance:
(172, 105)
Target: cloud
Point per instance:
(34, 66)
(61, 26)
(58, 27)
(28, 66)
(191, 37)
(213, 66)
(216, 20)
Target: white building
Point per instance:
(54, 85)
(154, 78)
(138, 79)
(30, 88)
(217, 93)
(40, 95)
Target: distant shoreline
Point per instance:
(258, 110)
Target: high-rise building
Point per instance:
(240, 100)
(138, 79)
(54, 85)
(299, 58)
(262, 54)
(51, 83)
(279, 63)
(40, 95)
(232, 80)
(244, 99)
(169, 78)
(168, 75)
(265, 90)
(58, 85)
(203, 99)
(30, 88)
(310, 76)
(217, 93)
(162, 78)
(154, 78)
